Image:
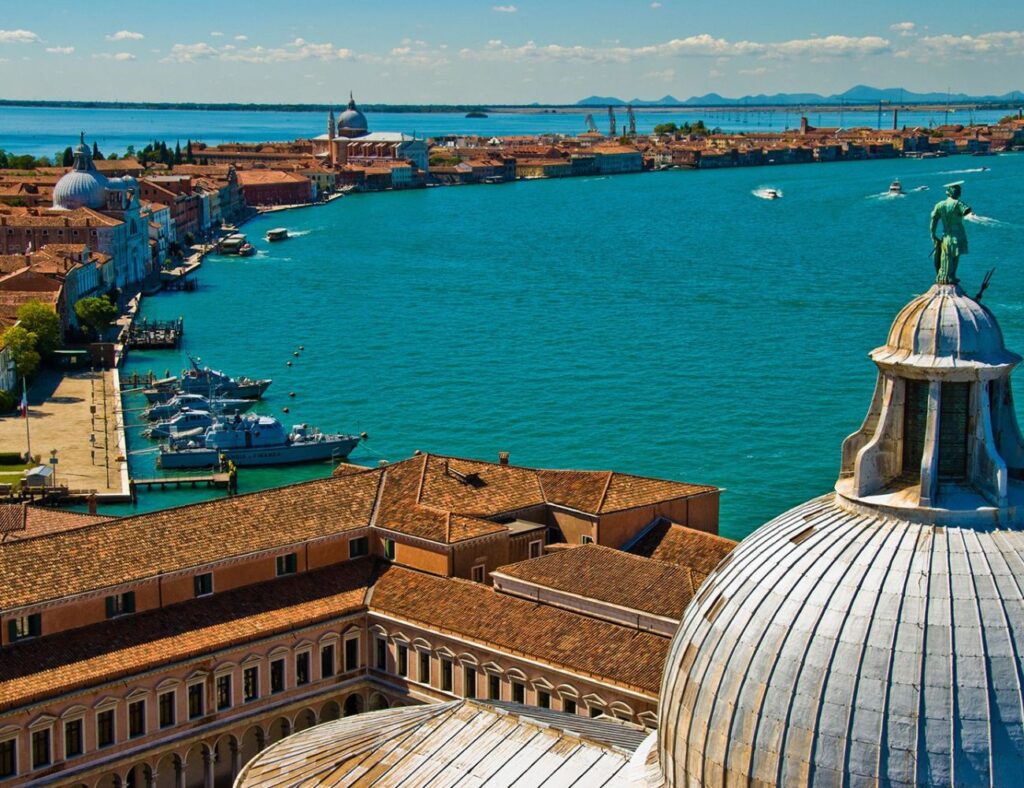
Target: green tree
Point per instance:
(177, 152)
(665, 128)
(22, 343)
(188, 153)
(67, 157)
(129, 152)
(41, 320)
(96, 313)
(96, 155)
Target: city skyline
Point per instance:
(519, 52)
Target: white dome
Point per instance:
(352, 122)
(945, 328)
(834, 647)
(83, 186)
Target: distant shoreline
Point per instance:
(526, 109)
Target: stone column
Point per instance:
(236, 760)
(208, 779)
(179, 774)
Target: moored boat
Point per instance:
(255, 440)
(185, 422)
(177, 403)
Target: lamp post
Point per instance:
(53, 464)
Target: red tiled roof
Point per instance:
(683, 546)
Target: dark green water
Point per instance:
(670, 324)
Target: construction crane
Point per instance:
(591, 126)
(632, 121)
(611, 121)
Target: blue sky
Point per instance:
(508, 51)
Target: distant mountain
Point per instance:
(859, 94)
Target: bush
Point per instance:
(8, 402)
(23, 349)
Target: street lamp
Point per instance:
(53, 463)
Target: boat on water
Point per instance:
(186, 422)
(236, 244)
(896, 188)
(476, 113)
(207, 382)
(179, 402)
(255, 440)
(277, 234)
(771, 194)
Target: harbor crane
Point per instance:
(589, 120)
(611, 121)
(632, 121)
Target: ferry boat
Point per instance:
(186, 422)
(896, 188)
(179, 402)
(236, 244)
(277, 234)
(255, 440)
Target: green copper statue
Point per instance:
(953, 243)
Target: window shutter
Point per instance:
(110, 607)
(35, 625)
(12, 630)
(129, 602)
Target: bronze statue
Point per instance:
(953, 243)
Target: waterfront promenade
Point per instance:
(61, 418)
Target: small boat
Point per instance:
(771, 194)
(896, 188)
(277, 234)
(178, 403)
(186, 422)
(246, 250)
(255, 440)
(476, 114)
(236, 244)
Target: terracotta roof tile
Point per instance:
(688, 547)
(20, 521)
(120, 551)
(611, 576)
(559, 637)
(126, 646)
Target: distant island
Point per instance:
(859, 94)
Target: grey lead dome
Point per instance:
(874, 636)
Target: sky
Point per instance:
(512, 51)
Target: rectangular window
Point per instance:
(469, 683)
(120, 604)
(302, 668)
(326, 661)
(73, 740)
(424, 667)
(381, 646)
(277, 675)
(224, 692)
(196, 701)
(40, 748)
(287, 564)
(569, 706)
(136, 719)
(250, 683)
(203, 584)
(8, 758)
(351, 653)
(358, 547)
(596, 711)
(518, 692)
(166, 708)
(446, 675)
(536, 546)
(586, 539)
(477, 574)
(494, 687)
(544, 699)
(403, 659)
(105, 728)
(389, 549)
(24, 627)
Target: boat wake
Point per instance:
(988, 221)
(298, 233)
(767, 193)
(964, 172)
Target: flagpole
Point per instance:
(28, 436)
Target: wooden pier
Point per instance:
(154, 334)
(223, 480)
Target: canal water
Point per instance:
(671, 324)
(42, 131)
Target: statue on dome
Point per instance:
(953, 242)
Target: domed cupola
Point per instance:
(875, 635)
(84, 186)
(352, 122)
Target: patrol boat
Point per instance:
(178, 403)
(185, 422)
(256, 440)
(209, 382)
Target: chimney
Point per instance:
(803, 125)
(502, 458)
(92, 503)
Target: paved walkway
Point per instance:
(59, 418)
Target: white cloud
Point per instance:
(834, 46)
(191, 53)
(753, 72)
(655, 4)
(125, 35)
(217, 34)
(998, 42)
(122, 56)
(18, 37)
(296, 50)
(241, 38)
(505, 9)
(665, 75)
(903, 28)
(60, 50)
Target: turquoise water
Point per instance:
(41, 131)
(670, 324)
